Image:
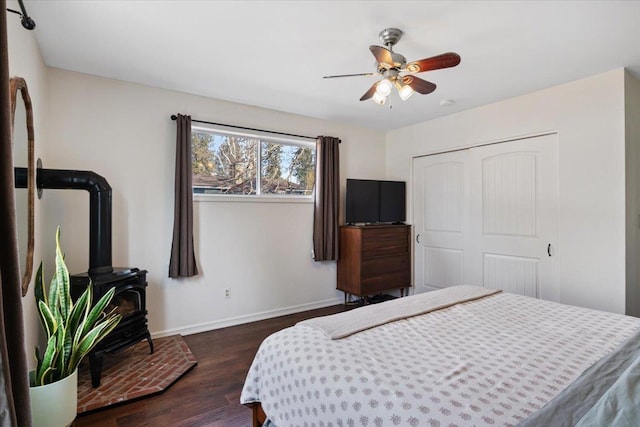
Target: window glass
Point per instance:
(287, 169)
(235, 164)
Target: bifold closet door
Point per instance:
(489, 216)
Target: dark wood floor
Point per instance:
(209, 395)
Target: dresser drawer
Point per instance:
(386, 265)
(386, 282)
(383, 274)
(384, 242)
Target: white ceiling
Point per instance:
(273, 54)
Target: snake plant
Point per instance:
(72, 329)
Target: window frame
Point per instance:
(257, 198)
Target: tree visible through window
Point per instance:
(236, 164)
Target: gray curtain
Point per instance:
(14, 382)
(183, 257)
(327, 200)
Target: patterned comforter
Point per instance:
(491, 361)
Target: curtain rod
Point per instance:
(174, 117)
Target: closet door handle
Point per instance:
(418, 238)
(549, 249)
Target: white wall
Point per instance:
(632, 140)
(25, 61)
(261, 251)
(589, 117)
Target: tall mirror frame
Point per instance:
(18, 84)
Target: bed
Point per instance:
(459, 356)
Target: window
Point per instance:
(233, 163)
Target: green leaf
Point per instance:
(96, 311)
(53, 294)
(66, 352)
(59, 362)
(36, 354)
(62, 276)
(38, 290)
(91, 339)
(48, 362)
(80, 310)
(45, 378)
(49, 321)
(32, 381)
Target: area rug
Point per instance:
(134, 373)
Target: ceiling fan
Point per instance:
(393, 66)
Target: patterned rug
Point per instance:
(134, 373)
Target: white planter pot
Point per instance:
(56, 404)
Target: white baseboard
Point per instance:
(233, 321)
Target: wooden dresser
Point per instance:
(374, 259)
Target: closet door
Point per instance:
(441, 219)
(504, 231)
(514, 205)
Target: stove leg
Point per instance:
(150, 343)
(95, 366)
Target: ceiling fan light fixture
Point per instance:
(392, 68)
(379, 99)
(384, 87)
(405, 92)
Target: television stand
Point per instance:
(374, 259)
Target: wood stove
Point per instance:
(130, 283)
(130, 299)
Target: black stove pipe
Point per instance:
(20, 176)
(99, 210)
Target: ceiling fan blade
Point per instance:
(445, 60)
(383, 56)
(350, 75)
(368, 94)
(421, 86)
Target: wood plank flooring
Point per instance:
(209, 395)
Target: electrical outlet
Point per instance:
(227, 293)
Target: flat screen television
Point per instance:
(373, 201)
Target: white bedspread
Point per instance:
(494, 361)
